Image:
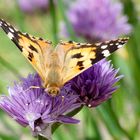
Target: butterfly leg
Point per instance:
(62, 102)
(32, 87)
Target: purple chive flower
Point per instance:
(96, 84)
(31, 6)
(97, 20)
(36, 109)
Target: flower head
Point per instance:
(97, 20)
(96, 84)
(32, 107)
(31, 6)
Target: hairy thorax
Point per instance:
(53, 78)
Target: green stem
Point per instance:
(54, 21)
(9, 67)
(106, 119)
(7, 126)
(19, 17)
(68, 25)
(130, 11)
(112, 123)
(41, 138)
(90, 121)
(112, 113)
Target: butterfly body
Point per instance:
(53, 80)
(56, 66)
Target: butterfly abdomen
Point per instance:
(53, 78)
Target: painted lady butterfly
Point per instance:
(67, 60)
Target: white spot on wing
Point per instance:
(98, 44)
(88, 44)
(5, 24)
(104, 46)
(106, 53)
(107, 42)
(11, 30)
(0, 23)
(10, 35)
(119, 46)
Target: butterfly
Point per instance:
(58, 65)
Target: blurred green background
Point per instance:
(118, 118)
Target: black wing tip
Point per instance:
(1, 19)
(1, 22)
(8, 28)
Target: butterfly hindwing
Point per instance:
(82, 56)
(33, 48)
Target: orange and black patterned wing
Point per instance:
(33, 48)
(80, 57)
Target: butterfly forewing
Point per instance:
(81, 57)
(33, 48)
(57, 66)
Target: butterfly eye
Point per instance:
(53, 91)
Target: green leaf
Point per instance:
(63, 12)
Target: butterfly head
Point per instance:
(53, 91)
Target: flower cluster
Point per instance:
(97, 20)
(31, 6)
(29, 105)
(96, 84)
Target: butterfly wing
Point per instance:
(63, 47)
(33, 48)
(80, 57)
